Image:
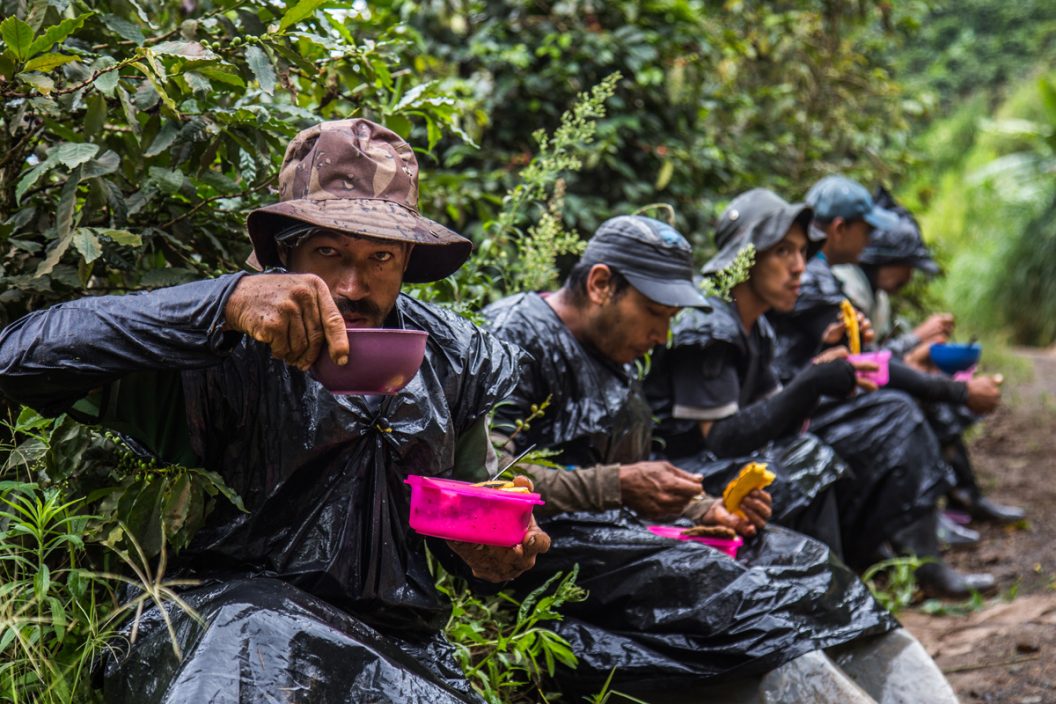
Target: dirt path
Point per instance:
(1006, 652)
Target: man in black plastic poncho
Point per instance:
(319, 591)
(871, 432)
(885, 266)
(678, 621)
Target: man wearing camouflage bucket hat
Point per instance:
(319, 580)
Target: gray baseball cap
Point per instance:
(654, 257)
(840, 197)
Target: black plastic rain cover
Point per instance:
(321, 475)
(672, 614)
(897, 470)
(597, 414)
(266, 641)
(661, 610)
(805, 469)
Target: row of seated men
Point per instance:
(319, 591)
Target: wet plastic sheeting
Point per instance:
(668, 614)
(597, 414)
(949, 420)
(805, 468)
(264, 641)
(897, 471)
(321, 476)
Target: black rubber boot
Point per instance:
(967, 496)
(936, 578)
(954, 535)
(983, 509)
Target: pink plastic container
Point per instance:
(380, 361)
(730, 547)
(881, 358)
(454, 510)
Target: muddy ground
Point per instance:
(1005, 650)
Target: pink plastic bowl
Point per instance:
(380, 361)
(730, 547)
(454, 510)
(882, 358)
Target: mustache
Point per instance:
(362, 307)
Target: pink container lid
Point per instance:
(455, 510)
(468, 489)
(730, 547)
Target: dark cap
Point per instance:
(652, 255)
(761, 218)
(840, 197)
(902, 244)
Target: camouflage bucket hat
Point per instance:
(359, 178)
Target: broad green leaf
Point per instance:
(64, 213)
(219, 73)
(18, 36)
(33, 175)
(54, 255)
(164, 139)
(95, 114)
(106, 82)
(73, 154)
(48, 62)
(197, 82)
(42, 83)
(107, 163)
(168, 180)
(298, 12)
(85, 241)
(156, 77)
(56, 33)
(178, 502)
(122, 237)
(188, 50)
(124, 29)
(129, 110)
(261, 66)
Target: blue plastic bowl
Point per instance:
(953, 357)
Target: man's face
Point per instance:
(849, 238)
(777, 271)
(625, 327)
(892, 277)
(364, 275)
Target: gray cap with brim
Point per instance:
(761, 218)
(654, 257)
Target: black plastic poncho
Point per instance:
(321, 477)
(806, 469)
(898, 473)
(663, 612)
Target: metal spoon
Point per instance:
(514, 461)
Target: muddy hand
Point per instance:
(756, 506)
(657, 490)
(293, 314)
(498, 564)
